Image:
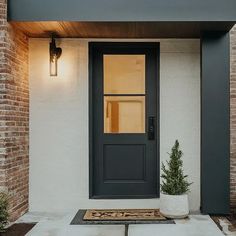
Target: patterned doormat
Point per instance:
(123, 214)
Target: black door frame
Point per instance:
(92, 46)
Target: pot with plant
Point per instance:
(4, 216)
(174, 186)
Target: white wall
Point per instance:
(59, 123)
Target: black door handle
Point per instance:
(151, 128)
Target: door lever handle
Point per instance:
(151, 128)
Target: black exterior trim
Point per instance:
(215, 123)
(125, 196)
(122, 10)
(90, 121)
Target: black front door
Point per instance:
(124, 135)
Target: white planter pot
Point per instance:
(174, 206)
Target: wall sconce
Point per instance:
(55, 54)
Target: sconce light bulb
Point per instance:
(53, 66)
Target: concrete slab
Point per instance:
(93, 230)
(196, 225)
(54, 229)
(58, 224)
(34, 217)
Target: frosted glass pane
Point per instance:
(124, 74)
(124, 114)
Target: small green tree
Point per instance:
(4, 216)
(174, 182)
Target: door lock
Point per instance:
(151, 128)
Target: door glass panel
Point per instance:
(124, 74)
(124, 114)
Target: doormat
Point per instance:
(79, 220)
(124, 214)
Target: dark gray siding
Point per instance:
(215, 123)
(122, 10)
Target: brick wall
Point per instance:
(14, 115)
(233, 118)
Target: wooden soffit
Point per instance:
(73, 29)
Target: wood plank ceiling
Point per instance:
(115, 29)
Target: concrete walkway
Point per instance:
(59, 225)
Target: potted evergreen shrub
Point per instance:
(4, 216)
(174, 186)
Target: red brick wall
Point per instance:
(14, 115)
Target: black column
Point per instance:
(215, 123)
